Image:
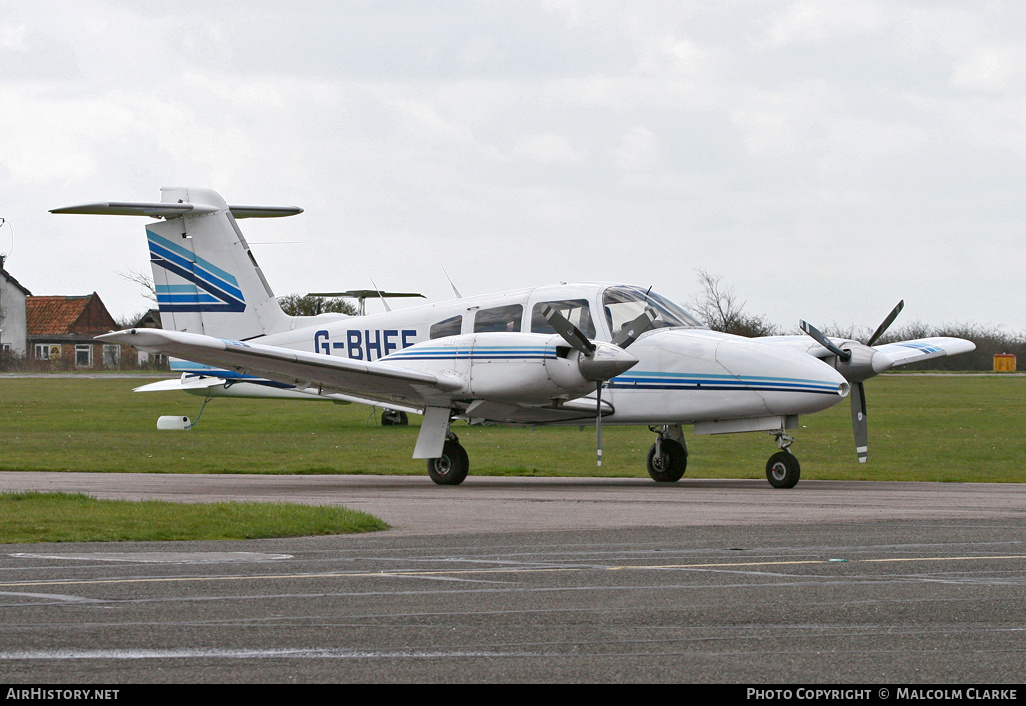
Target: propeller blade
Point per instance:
(858, 421)
(630, 332)
(886, 323)
(598, 422)
(570, 333)
(822, 340)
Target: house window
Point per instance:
(47, 351)
(111, 355)
(84, 355)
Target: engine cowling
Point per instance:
(523, 368)
(863, 362)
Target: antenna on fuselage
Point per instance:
(380, 296)
(455, 291)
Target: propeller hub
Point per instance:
(605, 362)
(863, 362)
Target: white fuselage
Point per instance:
(684, 374)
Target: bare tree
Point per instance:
(144, 281)
(718, 306)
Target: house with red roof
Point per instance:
(61, 329)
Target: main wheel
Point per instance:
(783, 470)
(670, 464)
(394, 418)
(451, 467)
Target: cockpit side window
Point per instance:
(500, 318)
(577, 311)
(447, 327)
(623, 304)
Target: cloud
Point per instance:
(820, 21)
(993, 69)
(14, 38)
(548, 149)
(638, 149)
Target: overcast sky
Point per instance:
(826, 159)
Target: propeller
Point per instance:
(600, 361)
(858, 362)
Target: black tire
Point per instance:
(394, 418)
(671, 463)
(783, 470)
(451, 467)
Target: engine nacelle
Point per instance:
(863, 363)
(518, 368)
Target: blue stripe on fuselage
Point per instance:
(693, 381)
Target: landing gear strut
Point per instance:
(783, 469)
(452, 466)
(668, 457)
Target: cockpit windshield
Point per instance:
(624, 304)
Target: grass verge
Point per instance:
(64, 517)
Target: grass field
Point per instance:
(64, 517)
(957, 428)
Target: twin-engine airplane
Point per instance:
(558, 354)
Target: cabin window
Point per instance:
(448, 327)
(623, 304)
(501, 318)
(576, 311)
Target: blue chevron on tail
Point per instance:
(210, 288)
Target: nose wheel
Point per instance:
(783, 470)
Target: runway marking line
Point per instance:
(505, 570)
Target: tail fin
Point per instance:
(206, 278)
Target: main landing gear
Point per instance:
(668, 457)
(783, 469)
(452, 466)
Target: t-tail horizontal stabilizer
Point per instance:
(205, 276)
(172, 210)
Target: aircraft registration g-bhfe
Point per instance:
(559, 354)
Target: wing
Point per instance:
(258, 388)
(905, 352)
(900, 353)
(368, 381)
